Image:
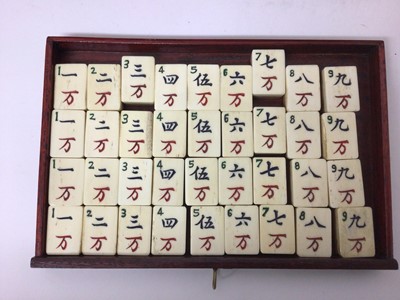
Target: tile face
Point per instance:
(64, 230)
(169, 134)
(104, 87)
(169, 230)
(66, 181)
(314, 232)
(269, 130)
(302, 88)
(201, 181)
(242, 230)
(136, 136)
(355, 232)
(345, 181)
(203, 87)
(100, 230)
(134, 230)
(309, 182)
(170, 87)
(340, 89)
(268, 72)
(135, 181)
(67, 133)
(303, 135)
(339, 135)
(101, 181)
(168, 181)
(70, 86)
(236, 88)
(137, 79)
(204, 133)
(235, 181)
(277, 230)
(269, 180)
(207, 230)
(237, 135)
(102, 134)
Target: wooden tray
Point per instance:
(372, 126)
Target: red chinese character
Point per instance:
(238, 146)
(270, 190)
(65, 194)
(236, 192)
(277, 240)
(63, 244)
(310, 195)
(237, 100)
(201, 194)
(270, 140)
(67, 144)
(204, 145)
(304, 147)
(98, 244)
(139, 92)
(348, 198)
(344, 102)
(303, 98)
(101, 194)
(167, 195)
(101, 145)
(134, 245)
(168, 244)
(342, 147)
(243, 242)
(207, 243)
(268, 84)
(357, 245)
(103, 99)
(136, 145)
(203, 100)
(170, 100)
(314, 244)
(134, 195)
(70, 98)
(168, 146)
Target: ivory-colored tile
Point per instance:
(314, 232)
(236, 88)
(242, 230)
(170, 87)
(237, 134)
(235, 181)
(204, 134)
(67, 133)
(101, 181)
(355, 232)
(168, 181)
(137, 80)
(169, 134)
(303, 135)
(135, 181)
(70, 86)
(134, 230)
(309, 182)
(102, 134)
(100, 224)
(269, 180)
(66, 179)
(277, 230)
(169, 230)
(302, 88)
(269, 130)
(345, 181)
(104, 87)
(339, 135)
(340, 89)
(136, 136)
(207, 230)
(201, 181)
(268, 72)
(64, 230)
(203, 87)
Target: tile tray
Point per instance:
(372, 126)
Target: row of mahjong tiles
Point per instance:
(144, 134)
(206, 181)
(214, 230)
(205, 87)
